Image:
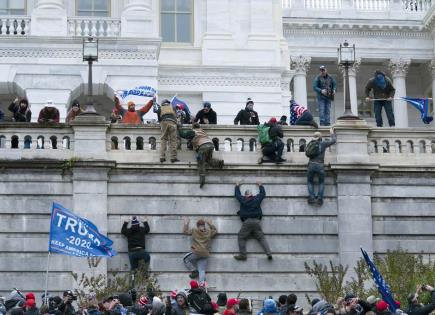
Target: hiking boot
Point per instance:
(269, 257)
(175, 160)
(311, 201)
(319, 201)
(194, 274)
(240, 257)
(162, 160)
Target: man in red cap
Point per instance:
(198, 299)
(272, 147)
(232, 306)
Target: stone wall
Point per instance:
(379, 195)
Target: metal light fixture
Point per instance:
(346, 58)
(90, 54)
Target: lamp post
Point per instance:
(346, 58)
(90, 54)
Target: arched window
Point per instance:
(14, 142)
(410, 146)
(40, 142)
(216, 143)
(398, 146)
(422, 146)
(252, 145)
(302, 144)
(290, 145)
(53, 141)
(227, 144)
(240, 144)
(152, 143)
(65, 143)
(27, 142)
(139, 143)
(127, 143)
(114, 143)
(385, 146)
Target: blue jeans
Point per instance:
(388, 110)
(324, 111)
(313, 170)
(194, 262)
(137, 256)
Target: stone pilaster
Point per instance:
(399, 69)
(49, 18)
(300, 65)
(353, 70)
(140, 19)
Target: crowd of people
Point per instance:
(196, 300)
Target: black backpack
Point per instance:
(313, 149)
(200, 301)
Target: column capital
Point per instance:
(432, 68)
(353, 70)
(301, 64)
(399, 67)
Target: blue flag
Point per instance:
(422, 105)
(176, 101)
(383, 288)
(75, 236)
(141, 91)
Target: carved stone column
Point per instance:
(399, 69)
(352, 85)
(49, 18)
(301, 65)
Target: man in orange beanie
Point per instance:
(131, 116)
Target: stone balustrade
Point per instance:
(360, 5)
(94, 26)
(14, 25)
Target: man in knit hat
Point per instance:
(196, 260)
(247, 116)
(131, 116)
(315, 151)
(135, 231)
(204, 147)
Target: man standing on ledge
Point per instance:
(250, 213)
(325, 86)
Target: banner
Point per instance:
(141, 91)
(422, 105)
(383, 288)
(75, 236)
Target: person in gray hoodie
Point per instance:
(180, 307)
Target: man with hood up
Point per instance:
(196, 260)
(135, 232)
(20, 109)
(180, 307)
(383, 93)
(247, 116)
(74, 112)
(131, 116)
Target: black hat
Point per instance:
(349, 296)
(68, 293)
(222, 299)
(206, 104)
(75, 103)
(166, 101)
(314, 301)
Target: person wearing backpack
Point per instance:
(315, 151)
(270, 135)
(198, 299)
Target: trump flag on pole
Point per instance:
(75, 236)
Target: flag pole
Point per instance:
(46, 279)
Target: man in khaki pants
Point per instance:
(168, 125)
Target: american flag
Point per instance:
(383, 288)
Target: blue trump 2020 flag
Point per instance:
(422, 105)
(75, 236)
(383, 288)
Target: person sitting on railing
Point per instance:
(74, 112)
(49, 114)
(204, 146)
(131, 116)
(206, 115)
(247, 116)
(302, 115)
(21, 111)
(270, 135)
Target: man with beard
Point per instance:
(247, 116)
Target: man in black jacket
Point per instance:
(206, 115)
(135, 232)
(415, 308)
(247, 116)
(250, 213)
(20, 109)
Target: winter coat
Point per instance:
(250, 206)
(210, 116)
(247, 117)
(320, 158)
(419, 309)
(20, 115)
(379, 92)
(135, 234)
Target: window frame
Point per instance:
(175, 12)
(109, 9)
(8, 9)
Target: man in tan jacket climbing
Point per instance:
(196, 259)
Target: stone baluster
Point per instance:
(300, 64)
(71, 28)
(78, 24)
(399, 69)
(86, 28)
(4, 27)
(101, 28)
(93, 28)
(110, 28)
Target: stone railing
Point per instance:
(94, 26)
(360, 5)
(29, 136)
(403, 146)
(14, 25)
